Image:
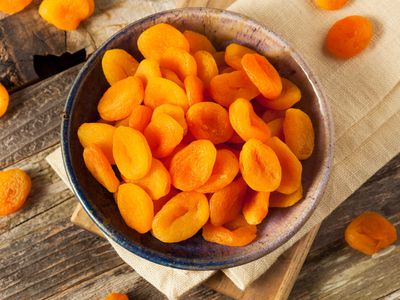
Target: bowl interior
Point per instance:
(222, 28)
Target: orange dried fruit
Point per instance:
(277, 199)
(158, 204)
(219, 58)
(167, 160)
(179, 61)
(99, 166)
(148, 68)
(206, 66)
(192, 166)
(174, 111)
(270, 115)
(299, 133)
(209, 120)
(276, 127)
(236, 233)
(290, 164)
(290, 95)
(13, 6)
(236, 139)
(234, 53)
(246, 123)
(198, 41)
(225, 169)
(349, 36)
(15, 186)
(226, 88)
(131, 152)
(140, 117)
(194, 89)
(227, 70)
(260, 166)
(4, 100)
(98, 134)
(163, 134)
(116, 296)
(330, 4)
(263, 75)
(255, 207)
(117, 65)
(171, 75)
(135, 206)
(226, 204)
(118, 101)
(370, 232)
(154, 41)
(160, 91)
(123, 122)
(181, 217)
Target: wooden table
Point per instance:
(44, 256)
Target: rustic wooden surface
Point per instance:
(44, 256)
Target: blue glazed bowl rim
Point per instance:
(161, 258)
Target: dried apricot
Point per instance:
(263, 75)
(299, 133)
(198, 41)
(167, 160)
(158, 204)
(136, 207)
(226, 88)
(330, 4)
(349, 36)
(154, 41)
(174, 111)
(234, 53)
(160, 91)
(131, 152)
(192, 166)
(260, 166)
(13, 6)
(276, 127)
(255, 207)
(171, 75)
(99, 166)
(117, 65)
(148, 68)
(290, 95)
(123, 122)
(15, 186)
(163, 134)
(194, 89)
(4, 100)
(236, 233)
(118, 101)
(179, 61)
(236, 139)
(277, 199)
(209, 120)
(290, 164)
(370, 232)
(116, 296)
(181, 217)
(206, 66)
(226, 204)
(225, 169)
(227, 70)
(270, 115)
(140, 117)
(98, 134)
(246, 123)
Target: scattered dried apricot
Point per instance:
(277, 199)
(234, 53)
(194, 89)
(179, 61)
(148, 68)
(330, 4)
(15, 186)
(13, 6)
(4, 100)
(206, 66)
(255, 207)
(174, 111)
(198, 41)
(171, 75)
(290, 95)
(140, 117)
(117, 65)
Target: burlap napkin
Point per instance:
(364, 95)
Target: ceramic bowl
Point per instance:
(222, 28)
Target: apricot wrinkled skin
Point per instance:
(171, 75)
(135, 206)
(192, 166)
(349, 36)
(206, 66)
(299, 133)
(118, 64)
(100, 168)
(226, 88)
(289, 96)
(277, 199)
(234, 53)
(116, 296)
(181, 217)
(255, 207)
(4, 100)
(179, 61)
(370, 232)
(246, 123)
(118, 101)
(198, 41)
(209, 120)
(131, 152)
(98, 134)
(148, 68)
(260, 166)
(226, 204)
(154, 41)
(194, 89)
(330, 4)
(225, 169)
(236, 233)
(140, 117)
(174, 111)
(13, 6)
(15, 186)
(163, 134)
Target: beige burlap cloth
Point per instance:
(364, 95)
